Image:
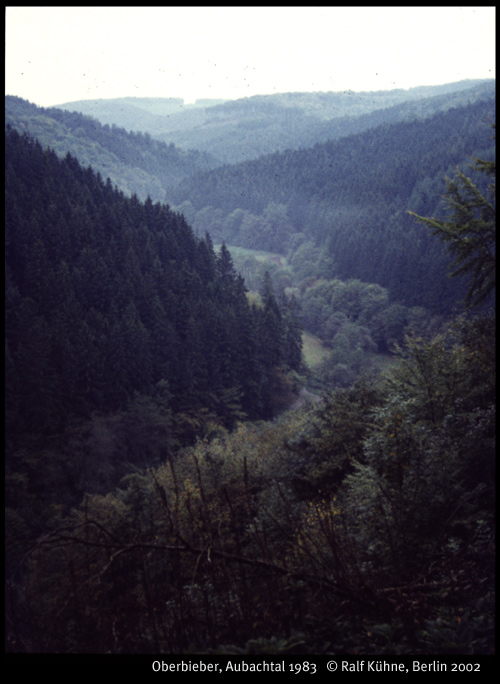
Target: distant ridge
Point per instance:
(246, 128)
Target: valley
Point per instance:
(320, 350)
(250, 374)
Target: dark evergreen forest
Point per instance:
(161, 496)
(113, 306)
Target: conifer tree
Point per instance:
(272, 323)
(469, 234)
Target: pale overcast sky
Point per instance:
(61, 54)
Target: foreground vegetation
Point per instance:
(362, 526)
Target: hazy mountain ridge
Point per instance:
(134, 162)
(136, 113)
(249, 127)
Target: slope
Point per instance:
(113, 306)
(247, 128)
(342, 205)
(134, 162)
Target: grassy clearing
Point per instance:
(260, 255)
(313, 349)
(315, 352)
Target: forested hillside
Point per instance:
(340, 209)
(134, 161)
(114, 308)
(137, 113)
(247, 128)
(362, 271)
